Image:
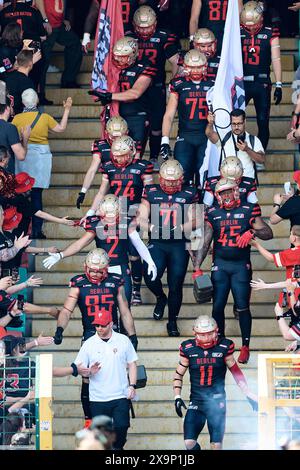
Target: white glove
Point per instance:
(52, 260)
(85, 42)
(152, 269)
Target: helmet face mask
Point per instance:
(206, 332)
(125, 52)
(116, 127)
(205, 42)
(252, 17)
(227, 194)
(171, 176)
(195, 65)
(144, 22)
(122, 151)
(96, 265)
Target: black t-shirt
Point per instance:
(16, 83)
(8, 57)
(19, 375)
(8, 135)
(291, 210)
(29, 18)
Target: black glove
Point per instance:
(134, 341)
(105, 97)
(165, 151)
(80, 199)
(58, 337)
(179, 403)
(253, 404)
(278, 95)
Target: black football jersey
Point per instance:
(192, 105)
(129, 181)
(207, 367)
(256, 51)
(171, 212)
(246, 186)
(19, 375)
(227, 226)
(94, 298)
(128, 9)
(127, 79)
(111, 238)
(156, 50)
(213, 15)
(101, 149)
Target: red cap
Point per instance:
(11, 218)
(102, 318)
(296, 176)
(24, 182)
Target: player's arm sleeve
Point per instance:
(256, 212)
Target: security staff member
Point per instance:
(260, 48)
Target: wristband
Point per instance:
(90, 212)
(11, 316)
(36, 343)
(275, 204)
(191, 37)
(176, 397)
(278, 317)
(293, 134)
(75, 370)
(278, 84)
(45, 20)
(132, 385)
(165, 140)
(83, 190)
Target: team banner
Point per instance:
(228, 92)
(105, 74)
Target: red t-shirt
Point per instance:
(55, 12)
(288, 259)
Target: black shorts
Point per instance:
(212, 410)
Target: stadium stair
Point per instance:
(156, 425)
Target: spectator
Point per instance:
(10, 45)
(18, 80)
(104, 428)
(59, 30)
(11, 424)
(7, 179)
(109, 390)
(287, 206)
(31, 22)
(238, 142)
(21, 439)
(38, 163)
(9, 136)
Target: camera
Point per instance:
(20, 302)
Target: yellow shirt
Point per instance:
(39, 134)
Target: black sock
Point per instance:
(85, 401)
(245, 325)
(137, 273)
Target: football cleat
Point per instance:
(244, 355)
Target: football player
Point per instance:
(188, 96)
(207, 357)
(205, 41)
(210, 14)
(114, 232)
(125, 176)
(232, 169)
(134, 79)
(168, 213)
(260, 48)
(116, 126)
(94, 291)
(231, 226)
(156, 46)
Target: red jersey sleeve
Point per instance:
(289, 257)
(256, 212)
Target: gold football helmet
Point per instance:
(122, 151)
(171, 176)
(96, 265)
(252, 17)
(115, 127)
(144, 22)
(227, 193)
(206, 331)
(205, 42)
(195, 65)
(125, 52)
(232, 169)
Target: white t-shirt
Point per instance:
(243, 156)
(111, 381)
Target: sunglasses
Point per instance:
(102, 326)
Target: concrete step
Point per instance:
(71, 264)
(152, 359)
(84, 145)
(287, 62)
(264, 338)
(80, 163)
(92, 112)
(80, 95)
(76, 179)
(245, 441)
(68, 195)
(57, 295)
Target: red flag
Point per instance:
(105, 75)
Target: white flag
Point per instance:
(228, 92)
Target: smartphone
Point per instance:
(32, 45)
(15, 274)
(20, 302)
(241, 138)
(6, 272)
(287, 187)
